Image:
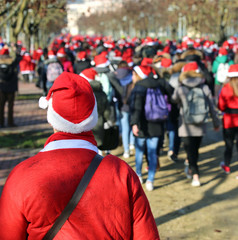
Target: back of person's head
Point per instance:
(233, 78)
(72, 106)
(123, 64)
(148, 52)
(190, 69)
(142, 72)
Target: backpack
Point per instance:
(222, 72)
(5, 72)
(53, 71)
(196, 107)
(156, 106)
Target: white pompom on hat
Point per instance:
(72, 106)
(233, 71)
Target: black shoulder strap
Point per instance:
(75, 198)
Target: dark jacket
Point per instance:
(9, 65)
(103, 111)
(121, 81)
(79, 66)
(137, 104)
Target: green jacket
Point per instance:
(215, 65)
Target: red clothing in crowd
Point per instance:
(227, 100)
(113, 206)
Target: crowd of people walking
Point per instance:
(97, 89)
(133, 79)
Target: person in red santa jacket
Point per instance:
(114, 205)
(26, 66)
(228, 103)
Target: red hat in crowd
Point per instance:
(72, 106)
(222, 51)
(61, 52)
(51, 54)
(233, 71)
(166, 62)
(101, 60)
(146, 62)
(192, 66)
(81, 55)
(129, 61)
(89, 74)
(4, 51)
(142, 71)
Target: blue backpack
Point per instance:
(156, 106)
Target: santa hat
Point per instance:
(72, 106)
(39, 51)
(149, 41)
(4, 51)
(222, 51)
(101, 61)
(51, 54)
(61, 52)
(233, 71)
(192, 66)
(147, 62)
(89, 74)
(81, 55)
(166, 62)
(142, 71)
(159, 53)
(130, 62)
(19, 42)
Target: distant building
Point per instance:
(78, 8)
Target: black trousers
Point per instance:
(229, 135)
(191, 147)
(6, 97)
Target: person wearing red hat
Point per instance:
(8, 84)
(228, 104)
(53, 68)
(26, 65)
(114, 205)
(121, 80)
(102, 67)
(67, 64)
(192, 132)
(82, 62)
(219, 70)
(103, 106)
(147, 133)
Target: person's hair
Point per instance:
(122, 64)
(234, 84)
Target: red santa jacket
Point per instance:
(227, 101)
(26, 65)
(113, 206)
